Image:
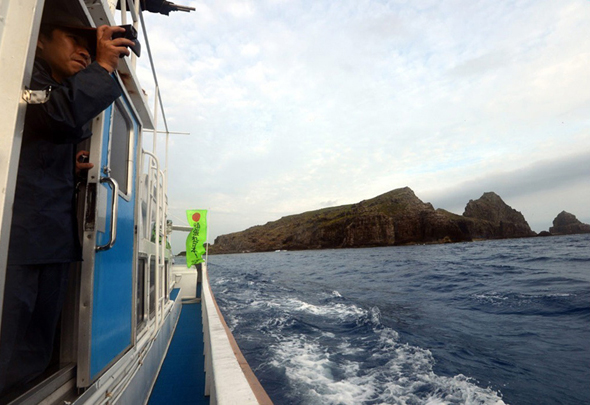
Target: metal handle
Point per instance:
(36, 96)
(114, 213)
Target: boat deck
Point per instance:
(182, 376)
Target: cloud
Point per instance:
(294, 104)
(543, 189)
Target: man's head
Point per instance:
(65, 44)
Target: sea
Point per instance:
(488, 322)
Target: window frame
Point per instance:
(121, 107)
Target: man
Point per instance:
(44, 238)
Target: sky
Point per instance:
(299, 105)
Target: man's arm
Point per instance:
(73, 103)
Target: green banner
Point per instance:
(195, 242)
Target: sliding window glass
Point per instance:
(121, 147)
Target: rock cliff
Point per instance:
(397, 217)
(567, 224)
(495, 219)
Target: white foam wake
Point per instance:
(323, 373)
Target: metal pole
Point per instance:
(168, 132)
(124, 12)
(135, 25)
(155, 120)
(135, 22)
(166, 165)
(207, 247)
(157, 234)
(153, 66)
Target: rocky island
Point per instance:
(397, 217)
(567, 224)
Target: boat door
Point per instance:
(106, 295)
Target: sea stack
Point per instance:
(498, 220)
(567, 224)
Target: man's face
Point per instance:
(66, 52)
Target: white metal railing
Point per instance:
(161, 239)
(156, 207)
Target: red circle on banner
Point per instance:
(196, 217)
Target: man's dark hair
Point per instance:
(47, 30)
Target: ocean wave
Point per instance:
(548, 304)
(412, 325)
(331, 310)
(400, 374)
(519, 298)
(370, 366)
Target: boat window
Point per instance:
(152, 292)
(120, 147)
(166, 279)
(140, 294)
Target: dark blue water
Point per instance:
(473, 323)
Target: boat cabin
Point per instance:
(125, 299)
(119, 294)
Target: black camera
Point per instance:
(130, 33)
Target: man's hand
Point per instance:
(80, 163)
(108, 49)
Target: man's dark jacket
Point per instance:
(44, 227)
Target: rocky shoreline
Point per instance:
(397, 217)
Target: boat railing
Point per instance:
(156, 219)
(228, 377)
